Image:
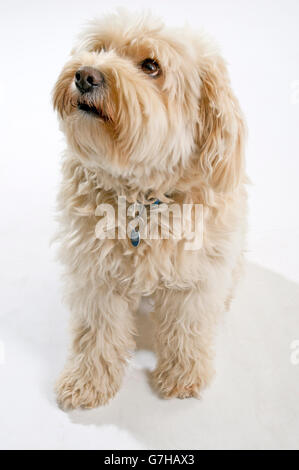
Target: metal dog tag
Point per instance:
(135, 238)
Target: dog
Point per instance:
(149, 115)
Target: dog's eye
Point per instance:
(151, 67)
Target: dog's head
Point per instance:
(136, 96)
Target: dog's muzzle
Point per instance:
(90, 83)
(87, 79)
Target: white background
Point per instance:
(253, 402)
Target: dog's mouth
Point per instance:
(92, 110)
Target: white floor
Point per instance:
(253, 402)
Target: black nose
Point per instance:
(87, 78)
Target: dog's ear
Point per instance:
(221, 129)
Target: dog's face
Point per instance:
(135, 95)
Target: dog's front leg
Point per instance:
(185, 321)
(102, 339)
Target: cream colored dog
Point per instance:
(147, 110)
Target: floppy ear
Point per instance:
(221, 128)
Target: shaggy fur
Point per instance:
(180, 134)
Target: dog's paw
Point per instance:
(172, 389)
(74, 391)
(185, 391)
(180, 385)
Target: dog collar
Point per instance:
(135, 234)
